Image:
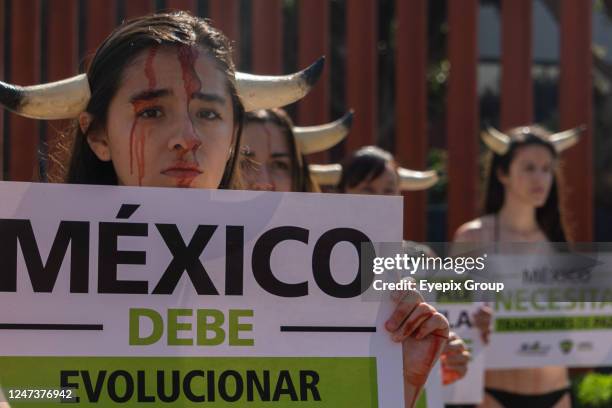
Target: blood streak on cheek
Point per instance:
(137, 142)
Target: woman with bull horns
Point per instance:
(161, 106)
(522, 205)
(273, 150)
(372, 170)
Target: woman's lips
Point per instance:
(182, 171)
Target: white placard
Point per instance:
(183, 262)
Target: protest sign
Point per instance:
(150, 295)
(469, 389)
(555, 310)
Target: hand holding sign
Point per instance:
(482, 321)
(455, 358)
(423, 332)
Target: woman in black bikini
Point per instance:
(522, 205)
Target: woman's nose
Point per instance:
(186, 139)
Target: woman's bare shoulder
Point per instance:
(478, 229)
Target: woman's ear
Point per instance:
(501, 176)
(96, 138)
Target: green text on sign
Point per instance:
(550, 323)
(196, 381)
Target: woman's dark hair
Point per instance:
(365, 164)
(548, 216)
(116, 53)
(300, 174)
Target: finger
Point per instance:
(405, 305)
(402, 295)
(455, 367)
(455, 347)
(436, 324)
(401, 312)
(481, 320)
(396, 296)
(450, 376)
(484, 336)
(418, 315)
(457, 359)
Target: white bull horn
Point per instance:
(412, 180)
(56, 100)
(313, 139)
(566, 139)
(409, 180)
(497, 141)
(67, 98)
(326, 174)
(266, 92)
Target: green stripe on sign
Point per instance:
(195, 381)
(422, 401)
(550, 323)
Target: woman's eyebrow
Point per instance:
(208, 97)
(279, 155)
(150, 94)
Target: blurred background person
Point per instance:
(273, 149)
(522, 205)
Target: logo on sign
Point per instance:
(534, 349)
(566, 346)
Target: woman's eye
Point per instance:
(150, 113)
(280, 165)
(208, 114)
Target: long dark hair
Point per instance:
(365, 164)
(116, 53)
(549, 216)
(300, 174)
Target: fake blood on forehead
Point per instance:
(187, 57)
(137, 144)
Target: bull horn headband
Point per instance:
(499, 142)
(66, 99)
(314, 139)
(409, 180)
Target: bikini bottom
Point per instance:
(514, 400)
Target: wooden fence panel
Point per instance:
(411, 107)
(225, 15)
(186, 5)
(575, 109)
(62, 62)
(25, 70)
(100, 19)
(267, 36)
(462, 114)
(137, 8)
(2, 78)
(361, 71)
(516, 83)
(313, 42)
